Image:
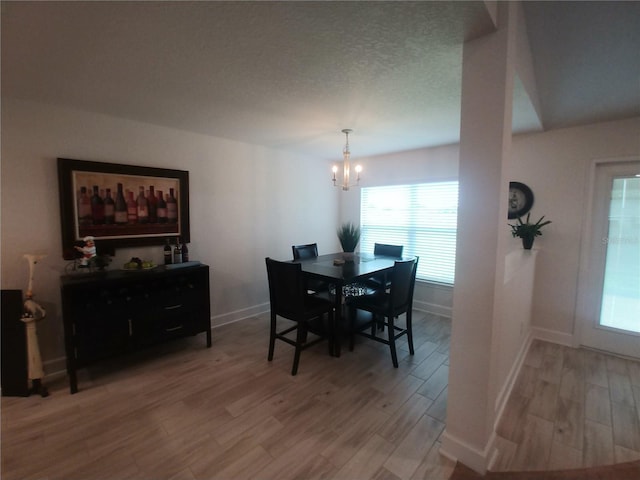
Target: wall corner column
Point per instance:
(485, 141)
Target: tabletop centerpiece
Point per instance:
(349, 236)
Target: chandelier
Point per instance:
(346, 165)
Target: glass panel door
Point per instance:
(608, 308)
(621, 291)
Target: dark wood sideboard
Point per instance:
(107, 314)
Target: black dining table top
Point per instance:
(362, 266)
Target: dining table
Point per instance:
(342, 271)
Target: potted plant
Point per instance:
(349, 236)
(528, 231)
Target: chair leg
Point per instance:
(352, 313)
(409, 332)
(352, 336)
(375, 321)
(331, 333)
(301, 333)
(392, 342)
(272, 337)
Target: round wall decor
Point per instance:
(520, 199)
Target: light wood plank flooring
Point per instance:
(182, 411)
(570, 408)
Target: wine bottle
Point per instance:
(121, 207)
(185, 253)
(177, 253)
(143, 207)
(132, 209)
(152, 203)
(97, 207)
(172, 208)
(84, 207)
(162, 208)
(109, 209)
(168, 255)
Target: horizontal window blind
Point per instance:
(422, 218)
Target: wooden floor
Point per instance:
(186, 412)
(571, 408)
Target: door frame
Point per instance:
(585, 282)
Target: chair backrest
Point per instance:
(387, 250)
(303, 252)
(286, 287)
(403, 280)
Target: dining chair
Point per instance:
(388, 250)
(381, 249)
(386, 307)
(306, 252)
(289, 299)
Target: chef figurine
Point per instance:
(88, 250)
(32, 313)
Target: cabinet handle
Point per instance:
(130, 327)
(173, 307)
(179, 327)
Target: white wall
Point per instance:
(246, 202)
(555, 165)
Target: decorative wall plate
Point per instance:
(520, 199)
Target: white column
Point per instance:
(485, 140)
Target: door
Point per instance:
(609, 295)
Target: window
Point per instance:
(422, 218)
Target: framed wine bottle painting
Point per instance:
(121, 205)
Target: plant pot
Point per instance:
(527, 242)
(348, 256)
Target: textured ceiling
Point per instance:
(586, 59)
(288, 75)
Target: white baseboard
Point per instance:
(553, 336)
(54, 368)
(458, 450)
(231, 317)
(507, 387)
(432, 308)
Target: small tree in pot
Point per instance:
(528, 231)
(349, 236)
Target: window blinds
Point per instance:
(421, 217)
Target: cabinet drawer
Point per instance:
(172, 323)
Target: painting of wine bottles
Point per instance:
(122, 205)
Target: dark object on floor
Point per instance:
(38, 388)
(15, 379)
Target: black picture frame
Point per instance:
(73, 175)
